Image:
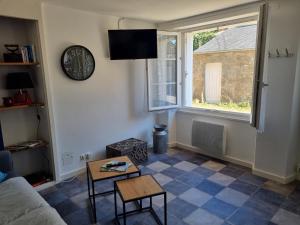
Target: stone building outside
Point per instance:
(233, 50)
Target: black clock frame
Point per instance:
(63, 65)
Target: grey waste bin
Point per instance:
(160, 138)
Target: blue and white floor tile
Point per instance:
(200, 191)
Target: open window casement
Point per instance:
(258, 83)
(163, 73)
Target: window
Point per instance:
(220, 64)
(163, 73)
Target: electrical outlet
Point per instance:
(82, 157)
(67, 158)
(87, 156)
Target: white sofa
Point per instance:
(20, 204)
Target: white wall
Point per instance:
(109, 106)
(29, 9)
(295, 123)
(274, 151)
(240, 143)
(273, 145)
(168, 118)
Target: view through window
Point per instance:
(222, 68)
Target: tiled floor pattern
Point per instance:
(200, 190)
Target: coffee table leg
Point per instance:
(88, 180)
(94, 202)
(124, 213)
(165, 208)
(115, 200)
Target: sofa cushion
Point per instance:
(18, 198)
(41, 216)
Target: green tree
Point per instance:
(201, 38)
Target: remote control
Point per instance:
(116, 164)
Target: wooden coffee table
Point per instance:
(94, 174)
(137, 189)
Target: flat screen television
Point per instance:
(132, 44)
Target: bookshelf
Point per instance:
(25, 123)
(5, 108)
(19, 63)
(42, 145)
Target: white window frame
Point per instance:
(185, 74)
(178, 76)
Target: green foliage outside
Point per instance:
(243, 107)
(201, 38)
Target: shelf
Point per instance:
(39, 178)
(23, 147)
(18, 63)
(5, 108)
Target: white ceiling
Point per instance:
(152, 10)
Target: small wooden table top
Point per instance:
(138, 187)
(96, 174)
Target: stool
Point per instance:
(137, 189)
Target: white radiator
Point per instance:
(209, 137)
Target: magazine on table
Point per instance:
(113, 166)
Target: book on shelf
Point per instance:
(114, 166)
(28, 53)
(26, 145)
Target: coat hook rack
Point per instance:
(279, 54)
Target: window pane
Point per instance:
(167, 46)
(165, 70)
(164, 95)
(163, 73)
(223, 68)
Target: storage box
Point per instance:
(135, 149)
(12, 57)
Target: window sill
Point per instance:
(236, 116)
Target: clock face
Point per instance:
(78, 62)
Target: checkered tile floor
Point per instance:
(200, 190)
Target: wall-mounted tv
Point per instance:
(132, 44)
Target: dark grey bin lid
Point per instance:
(160, 127)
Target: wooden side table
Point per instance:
(95, 175)
(137, 189)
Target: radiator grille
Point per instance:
(209, 137)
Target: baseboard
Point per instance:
(262, 173)
(45, 186)
(274, 177)
(225, 158)
(72, 173)
(172, 144)
(258, 172)
(79, 171)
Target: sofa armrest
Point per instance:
(6, 163)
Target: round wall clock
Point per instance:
(77, 62)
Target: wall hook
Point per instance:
(277, 52)
(287, 52)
